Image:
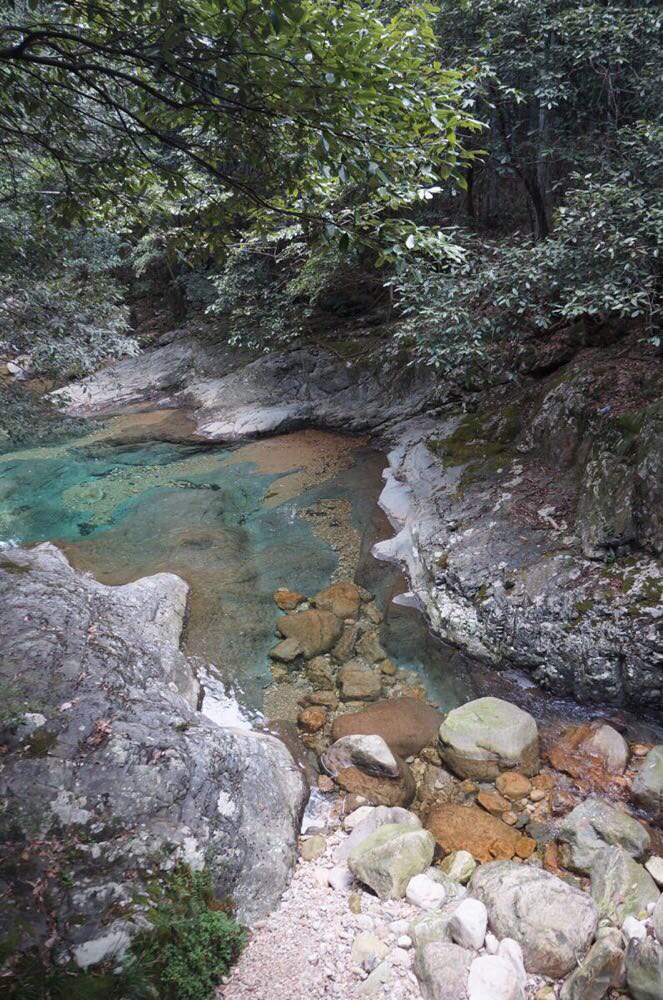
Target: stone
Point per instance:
(286, 651)
(601, 969)
(525, 847)
(373, 817)
(595, 824)
(325, 783)
(492, 802)
(647, 788)
(655, 868)
(340, 879)
(313, 848)
(345, 647)
(511, 951)
(553, 922)
(442, 969)
(632, 928)
(359, 682)
(367, 950)
(314, 630)
(134, 773)
(620, 886)
(388, 858)
(381, 791)
(644, 969)
(342, 599)
(494, 978)
(373, 613)
(329, 699)
(370, 647)
(370, 753)
(358, 816)
(312, 719)
(320, 672)
(424, 892)
(657, 920)
(468, 828)
(513, 785)
(406, 725)
(486, 736)
(468, 924)
(288, 600)
(606, 743)
(459, 866)
(381, 976)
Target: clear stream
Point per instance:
(138, 495)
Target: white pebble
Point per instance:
(404, 941)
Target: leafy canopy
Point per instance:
(233, 111)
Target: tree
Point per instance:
(234, 110)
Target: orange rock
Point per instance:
(525, 847)
(379, 791)
(343, 599)
(545, 780)
(513, 785)
(325, 783)
(312, 719)
(492, 802)
(287, 600)
(405, 724)
(468, 828)
(315, 631)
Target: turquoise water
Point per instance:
(127, 509)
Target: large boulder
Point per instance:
(620, 886)
(125, 777)
(595, 824)
(553, 922)
(313, 630)
(407, 725)
(647, 789)
(387, 859)
(486, 736)
(442, 969)
(372, 818)
(644, 969)
(609, 746)
(467, 828)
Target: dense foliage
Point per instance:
(477, 171)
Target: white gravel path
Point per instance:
(303, 950)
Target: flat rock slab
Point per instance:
(313, 630)
(406, 725)
(553, 922)
(467, 828)
(487, 736)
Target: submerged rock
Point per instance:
(343, 599)
(406, 725)
(489, 735)
(125, 767)
(314, 631)
(552, 922)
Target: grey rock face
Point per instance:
(602, 967)
(486, 736)
(125, 778)
(552, 922)
(620, 886)
(595, 824)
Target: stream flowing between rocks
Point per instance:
(140, 494)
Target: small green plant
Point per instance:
(193, 942)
